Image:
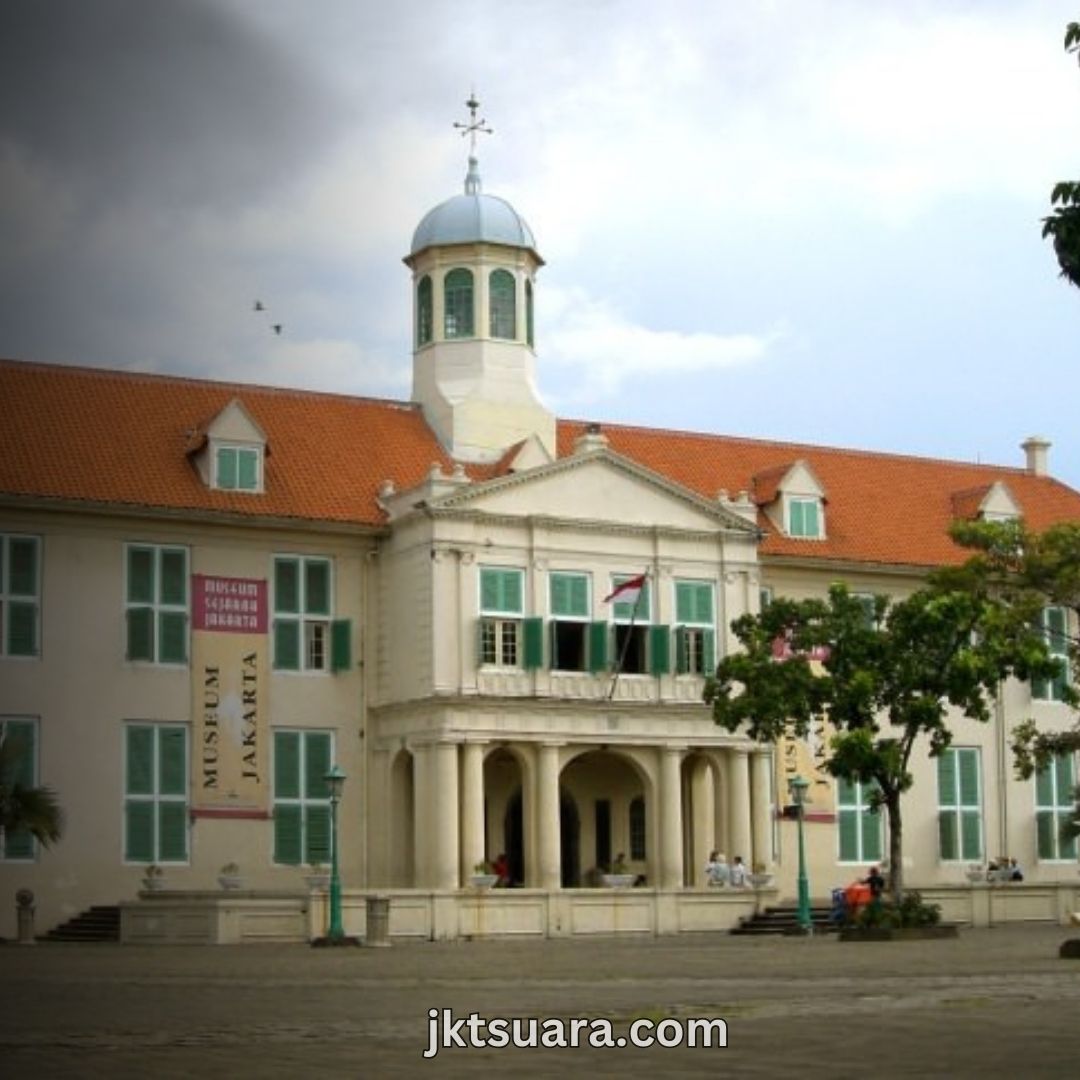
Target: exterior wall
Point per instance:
(82, 690)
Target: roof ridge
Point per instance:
(191, 380)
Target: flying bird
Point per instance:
(259, 306)
(277, 328)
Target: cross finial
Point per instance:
(474, 125)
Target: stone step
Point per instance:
(98, 923)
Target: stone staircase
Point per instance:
(784, 919)
(101, 923)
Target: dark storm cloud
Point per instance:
(166, 101)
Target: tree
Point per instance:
(889, 679)
(1063, 223)
(1029, 571)
(24, 807)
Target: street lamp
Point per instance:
(335, 781)
(798, 786)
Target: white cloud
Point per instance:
(606, 350)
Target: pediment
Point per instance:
(600, 487)
(235, 424)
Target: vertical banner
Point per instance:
(230, 755)
(806, 758)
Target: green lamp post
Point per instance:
(798, 786)
(335, 781)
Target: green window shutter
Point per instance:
(172, 761)
(317, 835)
(871, 836)
(660, 650)
(316, 587)
(458, 304)
(174, 577)
(570, 595)
(140, 761)
(534, 643)
(19, 736)
(848, 822)
(810, 519)
(316, 764)
(286, 644)
(682, 651)
(22, 566)
(502, 302)
(512, 592)
(490, 591)
(172, 831)
(560, 594)
(1067, 845)
(947, 778)
(287, 586)
(968, 761)
(971, 834)
(1064, 767)
(846, 794)
(1046, 828)
(22, 628)
(248, 473)
(598, 647)
(684, 601)
(140, 633)
(948, 842)
(286, 765)
(18, 844)
(1044, 787)
(709, 639)
(287, 835)
(140, 583)
(226, 468)
(139, 832)
(172, 636)
(625, 611)
(501, 591)
(340, 645)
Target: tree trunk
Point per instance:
(896, 848)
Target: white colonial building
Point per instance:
(210, 593)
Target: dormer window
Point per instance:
(804, 518)
(238, 468)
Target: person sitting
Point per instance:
(717, 871)
(1015, 873)
(501, 867)
(738, 873)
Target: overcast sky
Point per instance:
(814, 220)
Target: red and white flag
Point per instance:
(628, 592)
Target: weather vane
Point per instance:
(474, 125)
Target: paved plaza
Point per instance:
(995, 1002)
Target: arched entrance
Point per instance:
(569, 839)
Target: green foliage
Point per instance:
(910, 911)
(883, 682)
(1063, 223)
(22, 806)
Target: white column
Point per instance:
(701, 832)
(548, 835)
(472, 808)
(761, 809)
(671, 826)
(421, 846)
(739, 805)
(443, 823)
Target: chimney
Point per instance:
(1036, 448)
(591, 439)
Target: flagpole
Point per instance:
(629, 635)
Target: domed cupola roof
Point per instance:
(473, 218)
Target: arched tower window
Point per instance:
(529, 314)
(458, 297)
(503, 304)
(425, 311)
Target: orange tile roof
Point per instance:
(83, 434)
(881, 508)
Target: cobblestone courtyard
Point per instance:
(995, 1002)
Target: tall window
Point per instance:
(804, 518)
(20, 595)
(237, 468)
(157, 604)
(425, 311)
(302, 608)
(530, 335)
(859, 826)
(637, 827)
(458, 304)
(502, 290)
(1054, 807)
(507, 638)
(570, 612)
(155, 793)
(959, 805)
(639, 648)
(695, 634)
(20, 767)
(1055, 630)
(301, 797)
